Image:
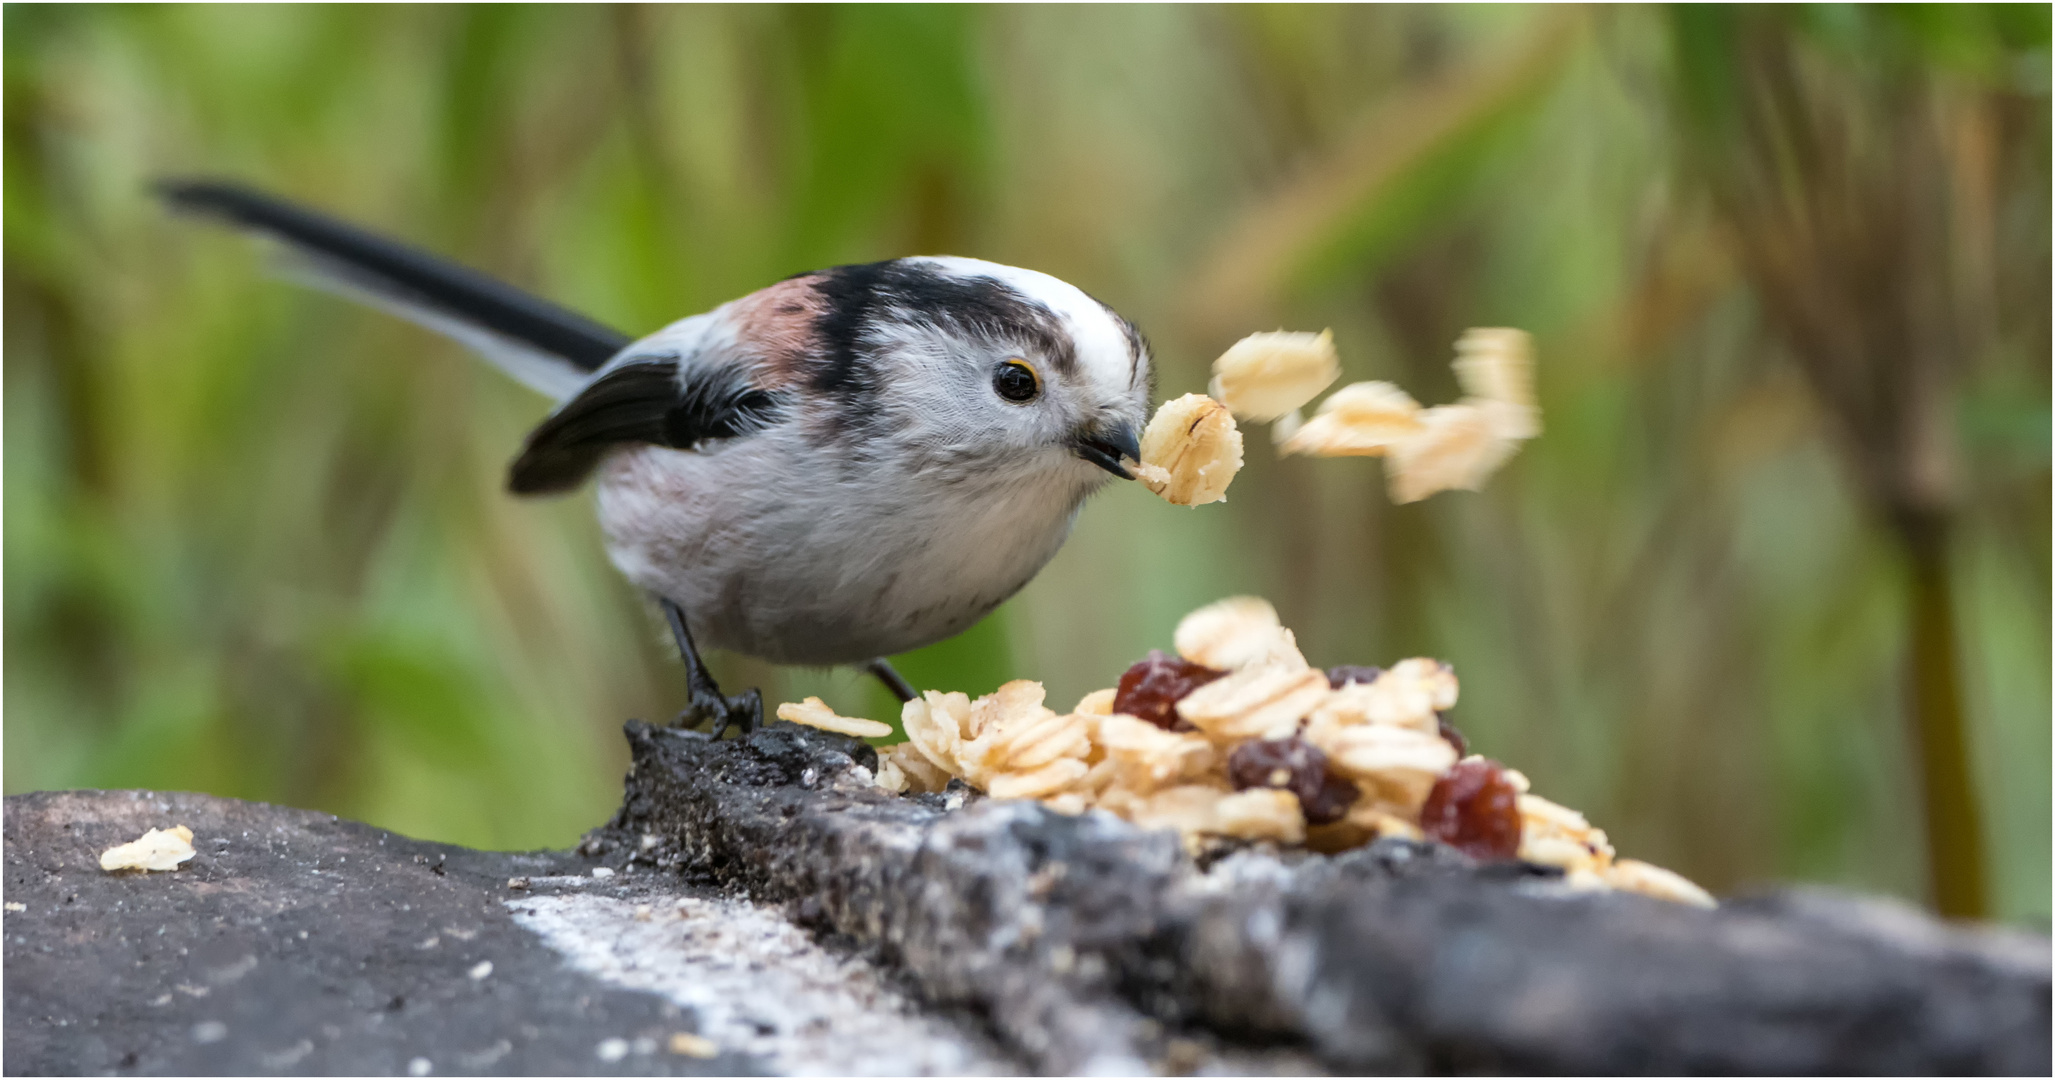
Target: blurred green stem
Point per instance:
(1933, 691)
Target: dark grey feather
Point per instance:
(523, 333)
(640, 400)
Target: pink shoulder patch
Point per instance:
(779, 322)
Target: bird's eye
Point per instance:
(1016, 382)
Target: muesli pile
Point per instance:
(1237, 736)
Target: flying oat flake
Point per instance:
(1426, 450)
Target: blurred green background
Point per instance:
(1782, 550)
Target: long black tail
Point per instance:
(545, 346)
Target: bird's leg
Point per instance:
(744, 710)
(895, 682)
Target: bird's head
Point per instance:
(965, 366)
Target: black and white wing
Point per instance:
(641, 399)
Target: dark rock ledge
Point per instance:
(1091, 945)
(988, 937)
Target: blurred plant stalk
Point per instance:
(1858, 195)
(1336, 213)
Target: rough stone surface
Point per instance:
(296, 943)
(1093, 946)
(761, 899)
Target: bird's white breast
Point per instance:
(782, 549)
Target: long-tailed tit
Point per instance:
(847, 464)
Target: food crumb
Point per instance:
(12, 906)
(480, 970)
(602, 872)
(1447, 447)
(686, 1044)
(813, 712)
(420, 1066)
(612, 1050)
(1269, 376)
(1181, 1057)
(1457, 449)
(1361, 419)
(643, 913)
(158, 849)
(1633, 875)
(1191, 451)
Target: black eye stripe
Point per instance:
(1016, 382)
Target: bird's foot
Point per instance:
(709, 706)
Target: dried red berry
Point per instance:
(1338, 677)
(1297, 766)
(1474, 809)
(1150, 689)
(1337, 793)
(1453, 737)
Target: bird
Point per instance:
(844, 465)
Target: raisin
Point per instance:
(1337, 793)
(1297, 766)
(1454, 737)
(1150, 689)
(1474, 809)
(1338, 677)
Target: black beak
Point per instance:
(1107, 446)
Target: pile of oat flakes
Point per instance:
(1237, 736)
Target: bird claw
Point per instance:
(744, 711)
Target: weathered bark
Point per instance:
(1085, 941)
(944, 934)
